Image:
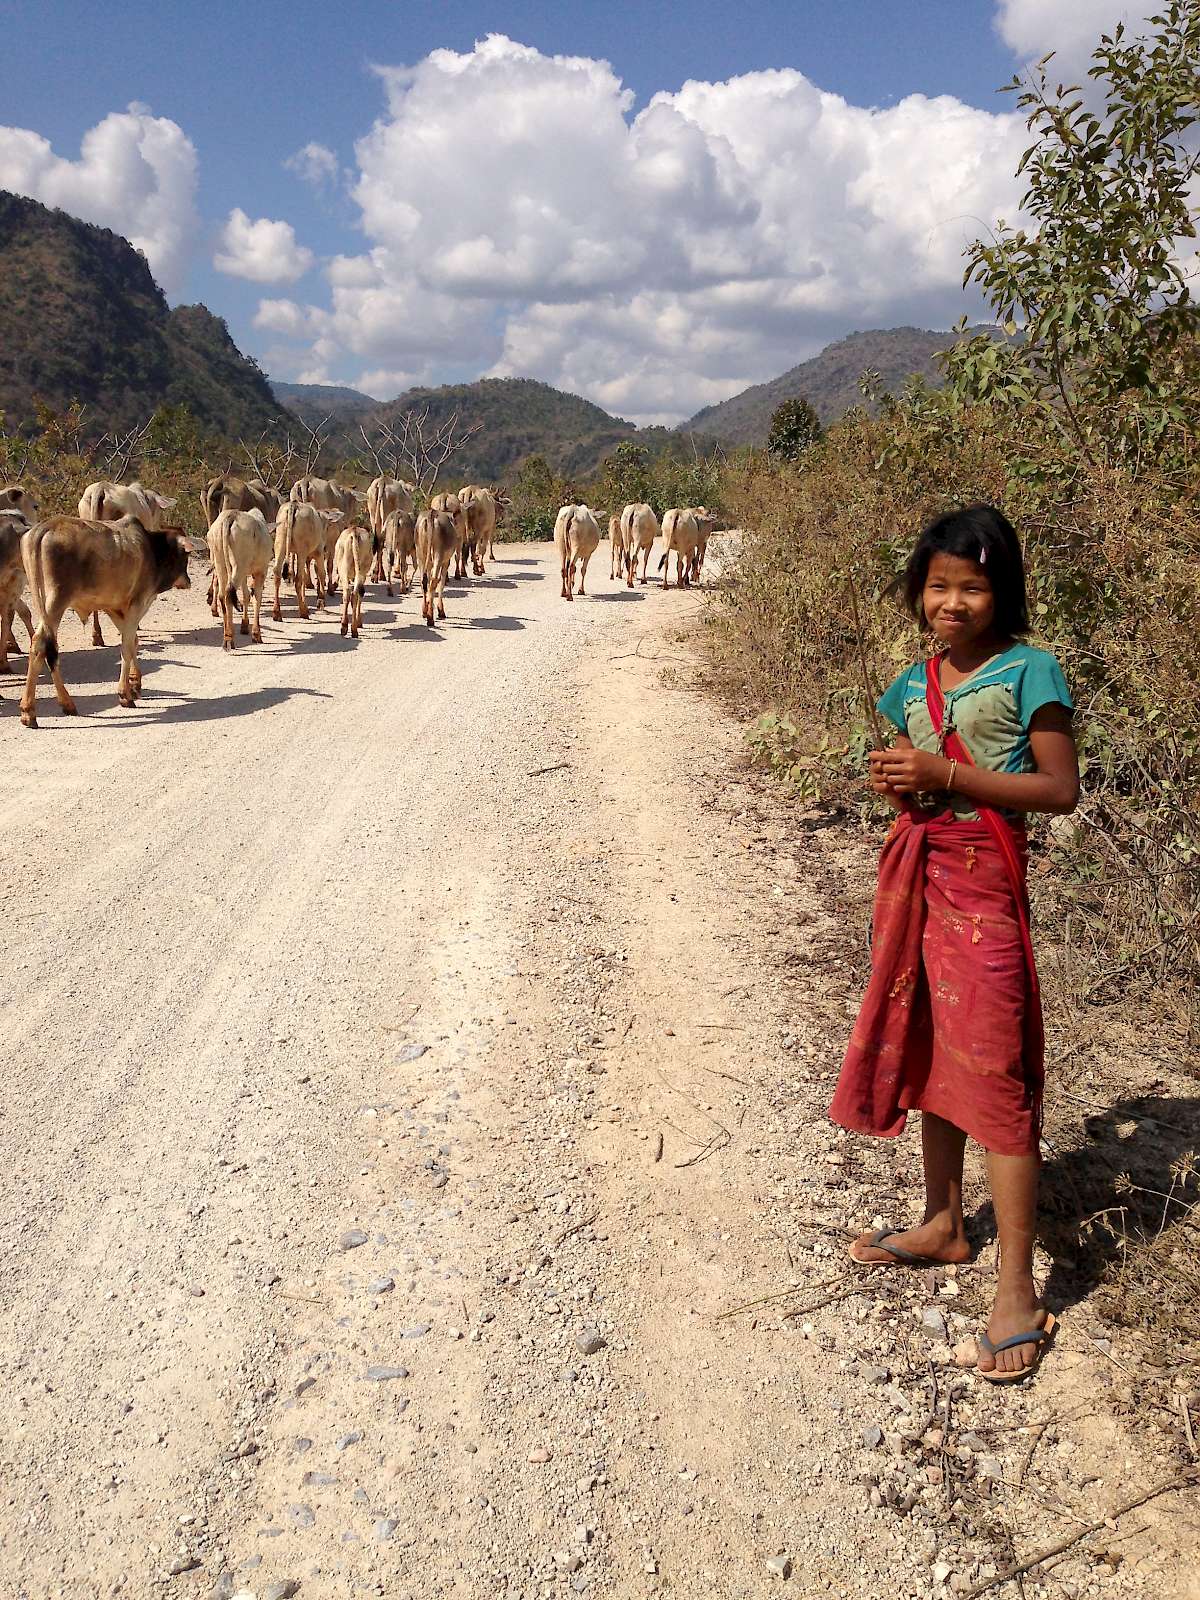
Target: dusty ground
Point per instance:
(415, 1175)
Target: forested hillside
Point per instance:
(82, 319)
(520, 418)
(313, 402)
(829, 381)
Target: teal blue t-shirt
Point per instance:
(990, 710)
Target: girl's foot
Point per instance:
(1015, 1310)
(937, 1240)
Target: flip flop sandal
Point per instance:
(904, 1257)
(1038, 1336)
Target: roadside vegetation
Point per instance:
(1082, 425)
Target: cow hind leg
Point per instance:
(256, 590)
(244, 626)
(276, 610)
(43, 652)
(227, 619)
(97, 636)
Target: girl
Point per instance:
(951, 1024)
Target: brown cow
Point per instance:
(451, 506)
(12, 582)
(104, 501)
(479, 508)
(228, 493)
(399, 548)
(437, 540)
(115, 567)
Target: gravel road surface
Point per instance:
(414, 1173)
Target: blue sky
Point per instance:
(248, 85)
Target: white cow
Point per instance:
(328, 495)
(681, 533)
(385, 496)
(239, 543)
(576, 539)
(639, 529)
(616, 540)
(355, 547)
(301, 532)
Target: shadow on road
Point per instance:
(151, 710)
(418, 630)
(1109, 1194)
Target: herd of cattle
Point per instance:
(120, 552)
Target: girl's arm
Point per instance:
(1054, 787)
(877, 778)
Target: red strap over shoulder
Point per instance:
(953, 745)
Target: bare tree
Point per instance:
(114, 453)
(414, 447)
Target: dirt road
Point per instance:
(414, 1049)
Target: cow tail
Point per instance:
(100, 505)
(33, 571)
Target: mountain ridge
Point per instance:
(829, 380)
(82, 319)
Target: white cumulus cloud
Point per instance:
(521, 218)
(260, 249)
(315, 163)
(135, 174)
(1071, 28)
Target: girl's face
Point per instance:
(957, 599)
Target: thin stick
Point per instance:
(876, 730)
(578, 1228)
(538, 772)
(726, 1075)
(786, 1294)
(829, 1300)
(1187, 1424)
(1036, 1560)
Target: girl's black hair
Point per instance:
(985, 536)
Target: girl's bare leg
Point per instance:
(942, 1235)
(1016, 1309)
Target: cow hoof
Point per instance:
(277, 615)
(256, 637)
(227, 644)
(125, 700)
(343, 630)
(28, 720)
